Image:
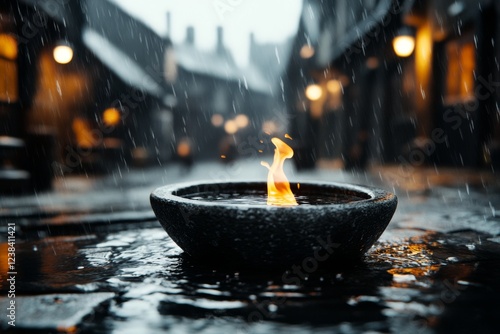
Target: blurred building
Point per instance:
(87, 88)
(409, 82)
(270, 58)
(217, 104)
(83, 91)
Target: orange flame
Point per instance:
(278, 187)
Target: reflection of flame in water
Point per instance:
(404, 276)
(278, 187)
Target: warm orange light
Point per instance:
(231, 127)
(9, 88)
(278, 187)
(183, 148)
(111, 116)
(403, 45)
(4, 259)
(314, 92)
(306, 51)
(71, 329)
(63, 54)
(8, 46)
(83, 133)
(334, 86)
(269, 127)
(217, 120)
(241, 121)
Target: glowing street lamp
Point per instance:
(111, 117)
(63, 53)
(307, 51)
(404, 43)
(314, 92)
(334, 86)
(231, 127)
(241, 121)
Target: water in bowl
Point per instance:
(260, 198)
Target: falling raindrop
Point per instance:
(58, 87)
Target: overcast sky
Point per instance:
(270, 20)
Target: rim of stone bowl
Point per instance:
(373, 195)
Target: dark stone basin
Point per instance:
(230, 223)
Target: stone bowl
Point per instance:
(227, 224)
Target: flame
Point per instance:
(278, 187)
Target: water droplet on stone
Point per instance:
(470, 246)
(272, 308)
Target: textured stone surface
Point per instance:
(262, 235)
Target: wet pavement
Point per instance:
(92, 258)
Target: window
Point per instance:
(461, 58)
(8, 66)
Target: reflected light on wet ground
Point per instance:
(158, 286)
(435, 269)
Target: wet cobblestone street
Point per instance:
(91, 257)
